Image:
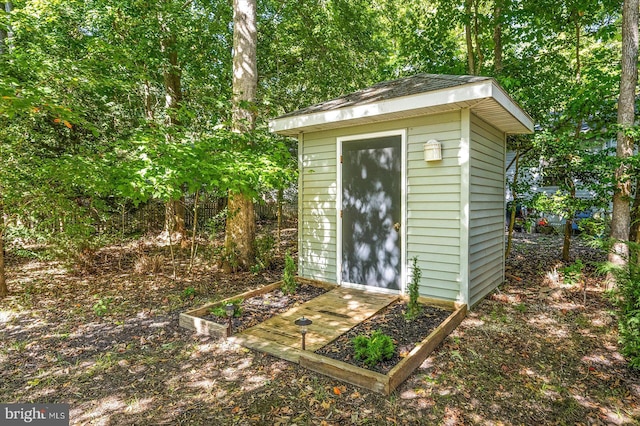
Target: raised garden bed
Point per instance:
(437, 321)
(257, 305)
(389, 376)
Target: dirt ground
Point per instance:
(105, 339)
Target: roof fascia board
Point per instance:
(510, 106)
(468, 92)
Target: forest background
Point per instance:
(107, 106)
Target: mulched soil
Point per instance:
(390, 320)
(260, 308)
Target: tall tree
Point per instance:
(172, 79)
(620, 221)
(497, 35)
(240, 226)
(5, 31)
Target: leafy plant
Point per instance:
(188, 293)
(572, 274)
(594, 226)
(289, 283)
(102, 306)
(413, 307)
(221, 312)
(628, 301)
(372, 350)
(529, 224)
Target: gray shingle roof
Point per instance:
(419, 83)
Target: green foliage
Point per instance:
(102, 306)
(628, 301)
(413, 307)
(289, 283)
(220, 311)
(264, 248)
(188, 293)
(372, 350)
(572, 274)
(594, 227)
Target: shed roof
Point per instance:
(420, 94)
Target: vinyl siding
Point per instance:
(433, 206)
(486, 209)
(317, 204)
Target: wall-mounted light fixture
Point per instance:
(432, 150)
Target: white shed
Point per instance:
(374, 192)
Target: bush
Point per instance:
(628, 302)
(289, 283)
(595, 227)
(372, 350)
(572, 274)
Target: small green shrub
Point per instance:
(102, 306)
(413, 307)
(188, 293)
(372, 350)
(289, 283)
(628, 301)
(572, 274)
(220, 311)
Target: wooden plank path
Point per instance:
(332, 313)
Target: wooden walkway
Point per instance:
(332, 313)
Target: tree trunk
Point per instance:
(512, 213)
(174, 209)
(621, 217)
(476, 33)
(172, 79)
(5, 34)
(280, 201)
(497, 36)
(3, 280)
(174, 213)
(148, 103)
(634, 235)
(5, 7)
(241, 226)
(568, 226)
(467, 31)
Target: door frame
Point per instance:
(403, 204)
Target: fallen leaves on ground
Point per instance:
(522, 356)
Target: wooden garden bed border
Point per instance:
(193, 320)
(374, 381)
(386, 383)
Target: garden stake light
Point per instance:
(230, 310)
(303, 323)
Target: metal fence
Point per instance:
(150, 217)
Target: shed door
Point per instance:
(371, 212)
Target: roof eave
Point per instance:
(418, 104)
